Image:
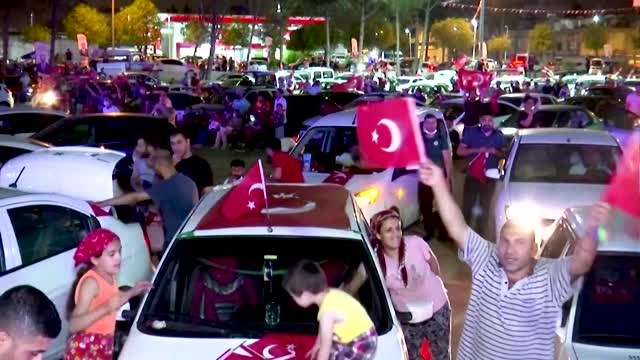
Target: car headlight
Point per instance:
(524, 215)
(367, 197)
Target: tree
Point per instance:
(35, 33)
(138, 24)
(453, 34)
(307, 38)
(428, 7)
(235, 34)
(498, 44)
(195, 32)
(636, 47)
(367, 8)
(595, 37)
(87, 20)
(540, 38)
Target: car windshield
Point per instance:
(404, 81)
(231, 286)
(607, 311)
(564, 163)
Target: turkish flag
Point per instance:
(272, 347)
(478, 167)
(624, 190)
(471, 80)
(355, 82)
(246, 197)
(461, 62)
(389, 134)
(338, 177)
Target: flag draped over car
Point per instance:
(272, 347)
(248, 196)
(389, 134)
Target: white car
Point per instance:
(6, 97)
(506, 76)
(405, 82)
(329, 139)
(257, 65)
(11, 147)
(170, 70)
(599, 322)
(453, 109)
(40, 233)
(80, 172)
(218, 292)
(317, 73)
(25, 122)
(549, 170)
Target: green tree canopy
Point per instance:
(307, 38)
(540, 38)
(595, 36)
(87, 20)
(235, 34)
(453, 34)
(195, 32)
(35, 33)
(138, 24)
(498, 44)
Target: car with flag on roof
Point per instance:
(330, 152)
(217, 293)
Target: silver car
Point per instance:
(549, 170)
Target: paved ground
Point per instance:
(456, 274)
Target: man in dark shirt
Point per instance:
(175, 194)
(439, 152)
(480, 140)
(195, 167)
(548, 88)
(472, 105)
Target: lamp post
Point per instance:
(474, 23)
(408, 32)
(505, 51)
(113, 27)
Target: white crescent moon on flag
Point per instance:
(395, 134)
(256, 186)
(340, 175)
(266, 352)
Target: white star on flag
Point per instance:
(291, 348)
(375, 136)
(251, 205)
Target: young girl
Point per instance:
(96, 298)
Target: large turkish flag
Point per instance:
(272, 347)
(389, 134)
(470, 80)
(624, 190)
(247, 196)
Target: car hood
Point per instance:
(592, 352)
(139, 346)
(552, 199)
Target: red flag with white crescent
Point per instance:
(249, 196)
(470, 80)
(272, 347)
(338, 177)
(389, 134)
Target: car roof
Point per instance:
(9, 196)
(319, 206)
(21, 110)
(348, 117)
(620, 237)
(20, 143)
(566, 135)
(559, 107)
(89, 158)
(102, 115)
(522, 95)
(460, 101)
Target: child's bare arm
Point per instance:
(82, 317)
(325, 334)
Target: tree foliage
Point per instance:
(35, 33)
(307, 38)
(87, 20)
(195, 32)
(453, 34)
(138, 24)
(540, 38)
(235, 34)
(595, 36)
(498, 44)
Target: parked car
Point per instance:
(170, 70)
(549, 170)
(118, 131)
(554, 116)
(11, 147)
(517, 98)
(39, 235)
(616, 93)
(334, 135)
(597, 323)
(27, 121)
(183, 317)
(6, 97)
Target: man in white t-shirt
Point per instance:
(280, 100)
(632, 103)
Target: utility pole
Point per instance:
(113, 22)
(481, 27)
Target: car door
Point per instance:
(315, 151)
(41, 238)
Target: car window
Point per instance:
(564, 163)
(544, 100)
(3, 264)
(513, 100)
(556, 242)
(182, 101)
(327, 74)
(545, 119)
(47, 230)
(607, 309)
(231, 287)
(504, 109)
(171, 62)
(7, 153)
(68, 133)
(21, 123)
(452, 111)
(573, 119)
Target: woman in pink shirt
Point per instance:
(412, 275)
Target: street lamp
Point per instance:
(113, 26)
(596, 18)
(505, 51)
(408, 32)
(474, 23)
